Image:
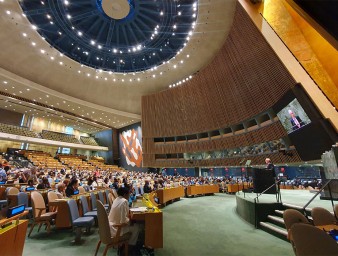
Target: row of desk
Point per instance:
(166, 195)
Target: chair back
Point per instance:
(93, 200)
(37, 203)
(13, 191)
(73, 210)
(322, 216)
(110, 199)
(101, 196)
(336, 210)
(84, 203)
(52, 196)
(309, 240)
(81, 190)
(104, 227)
(107, 192)
(86, 188)
(115, 193)
(292, 216)
(23, 199)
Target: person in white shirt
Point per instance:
(119, 214)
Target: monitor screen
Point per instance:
(76, 192)
(30, 188)
(293, 116)
(15, 210)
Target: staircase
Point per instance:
(275, 223)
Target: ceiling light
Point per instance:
(5, 82)
(28, 89)
(48, 16)
(51, 57)
(61, 63)
(24, 34)
(66, 2)
(69, 17)
(8, 12)
(33, 43)
(92, 42)
(79, 33)
(42, 51)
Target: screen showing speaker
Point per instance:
(293, 116)
(330, 165)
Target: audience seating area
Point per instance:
(42, 159)
(89, 141)
(75, 161)
(49, 135)
(18, 130)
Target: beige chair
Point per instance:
(105, 235)
(309, 240)
(52, 196)
(111, 199)
(40, 216)
(336, 211)
(292, 217)
(13, 191)
(81, 190)
(322, 217)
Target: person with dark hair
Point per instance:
(30, 185)
(72, 187)
(119, 214)
(146, 187)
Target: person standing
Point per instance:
(269, 164)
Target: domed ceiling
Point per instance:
(57, 51)
(114, 35)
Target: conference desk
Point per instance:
(153, 225)
(168, 194)
(12, 237)
(328, 228)
(202, 189)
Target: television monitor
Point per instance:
(30, 188)
(293, 116)
(76, 192)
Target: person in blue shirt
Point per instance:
(3, 175)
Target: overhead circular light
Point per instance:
(116, 9)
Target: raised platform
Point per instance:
(256, 212)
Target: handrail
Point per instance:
(317, 193)
(274, 184)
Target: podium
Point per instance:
(263, 179)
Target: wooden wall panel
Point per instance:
(244, 79)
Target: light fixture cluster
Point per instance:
(113, 47)
(180, 82)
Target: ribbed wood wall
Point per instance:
(244, 79)
(277, 157)
(264, 134)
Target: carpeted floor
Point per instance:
(192, 226)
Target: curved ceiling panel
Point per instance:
(120, 35)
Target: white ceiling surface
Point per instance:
(113, 96)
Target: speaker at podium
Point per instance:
(262, 179)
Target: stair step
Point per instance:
(275, 230)
(277, 219)
(279, 212)
(297, 207)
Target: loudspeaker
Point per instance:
(262, 179)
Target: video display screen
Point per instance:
(293, 116)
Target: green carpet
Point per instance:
(192, 226)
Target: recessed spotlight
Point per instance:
(69, 17)
(5, 82)
(51, 57)
(42, 51)
(33, 43)
(24, 34)
(8, 12)
(79, 33)
(61, 63)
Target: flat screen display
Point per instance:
(293, 116)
